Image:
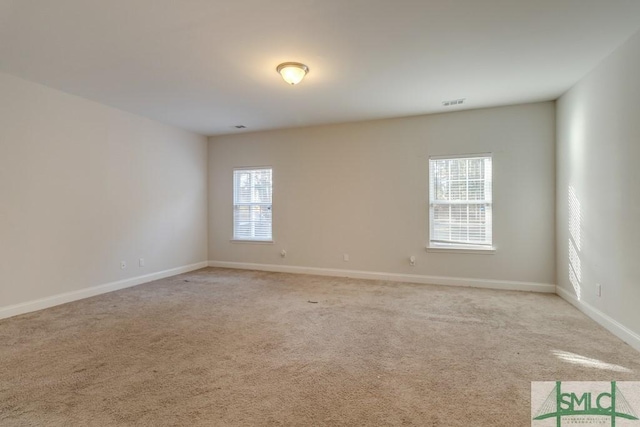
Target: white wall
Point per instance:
(84, 186)
(361, 189)
(598, 150)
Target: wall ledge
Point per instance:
(51, 301)
(393, 277)
(613, 326)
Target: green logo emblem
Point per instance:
(610, 404)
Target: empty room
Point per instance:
(319, 213)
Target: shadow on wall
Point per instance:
(575, 265)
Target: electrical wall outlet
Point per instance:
(412, 260)
(141, 262)
(598, 289)
(123, 265)
(283, 253)
(345, 257)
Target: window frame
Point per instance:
(235, 238)
(445, 247)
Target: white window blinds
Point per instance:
(252, 214)
(460, 199)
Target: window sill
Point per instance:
(253, 242)
(461, 249)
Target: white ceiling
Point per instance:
(206, 65)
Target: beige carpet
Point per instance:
(221, 347)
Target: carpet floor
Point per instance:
(220, 347)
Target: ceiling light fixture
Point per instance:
(292, 72)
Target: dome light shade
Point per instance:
(292, 72)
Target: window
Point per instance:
(252, 214)
(460, 202)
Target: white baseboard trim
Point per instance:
(625, 334)
(42, 303)
(392, 277)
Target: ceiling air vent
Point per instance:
(453, 102)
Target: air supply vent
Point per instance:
(453, 102)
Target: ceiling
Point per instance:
(207, 65)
